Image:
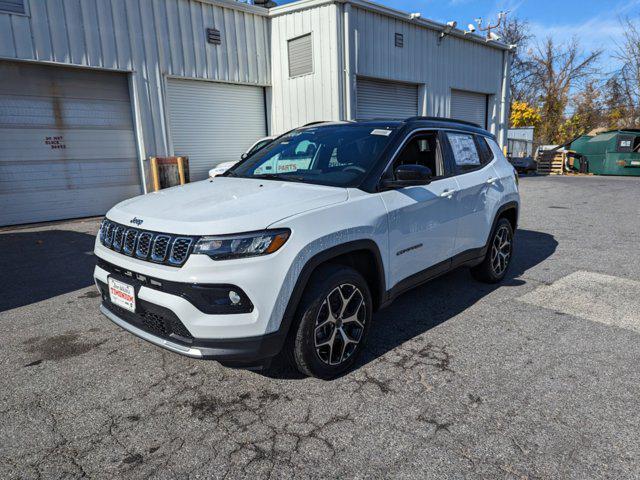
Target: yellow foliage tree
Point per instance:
(524, 115)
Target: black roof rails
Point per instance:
(442, 119)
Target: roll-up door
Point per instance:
(213, 122)
(382, 99)
(67, 143)
(469, 106)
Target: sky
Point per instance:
(594, 22)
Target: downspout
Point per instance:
(505, 98)
(346, 25)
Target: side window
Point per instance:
(486, 155)
(422, 149)
(465, 152)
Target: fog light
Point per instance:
(234, 297)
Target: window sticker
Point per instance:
(381, 131)
(464, 149)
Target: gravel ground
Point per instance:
(534, 378)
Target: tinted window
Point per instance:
(465, 152)
(486, 155)
(423, 149)
(338, 155)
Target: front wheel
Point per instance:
(498, 258)
(332, 322)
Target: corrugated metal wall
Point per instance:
(317, 96)
(152, 38)
(455, 63)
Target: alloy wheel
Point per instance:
(340, 324)
(501, 250)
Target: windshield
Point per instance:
(336, 155)
(259, 144)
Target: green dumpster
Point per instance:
(616, 152)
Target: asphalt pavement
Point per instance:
(538, 377)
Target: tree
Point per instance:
(556, 70)
(516, 32)
(524, 115)
(587, 114)
(627, 80)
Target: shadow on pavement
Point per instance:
(35, 266)
(435, 302)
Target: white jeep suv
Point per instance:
(262, 260)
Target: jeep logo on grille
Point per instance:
(136, 221)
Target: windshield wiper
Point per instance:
(279, 176)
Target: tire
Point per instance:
(496, 263)
(316, 345)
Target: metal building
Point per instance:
(90, 89)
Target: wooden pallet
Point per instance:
(551, 163)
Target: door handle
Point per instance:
(448, 193)
(492, 180)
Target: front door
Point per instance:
(422, 219)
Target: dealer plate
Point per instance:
(122, 294)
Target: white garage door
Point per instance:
(469, 106)
(67, 145)
(380, 99)
(214, 122)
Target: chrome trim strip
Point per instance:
(189, 242)
(161, 342)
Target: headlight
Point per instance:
(245, 245)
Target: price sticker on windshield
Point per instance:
(381, 131)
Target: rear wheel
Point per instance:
(332, 322)
(496, 263)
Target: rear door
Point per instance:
(478, 188)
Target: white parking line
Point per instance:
(593, 296)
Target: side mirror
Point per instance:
(408, 176)
(243, 156)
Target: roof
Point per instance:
(427, 122)
(389, 12)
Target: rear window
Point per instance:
(486, 155)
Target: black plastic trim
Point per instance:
(192, 292)
(324, 257)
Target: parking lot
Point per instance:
(535, 378)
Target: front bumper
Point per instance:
(241, 351)
(169, 315)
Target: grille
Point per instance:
(144, 245)
(156, 247)
(152, 318)
(180, 250)
(160, 247)
(118, 238)
(130, 241)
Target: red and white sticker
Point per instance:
(122, 294)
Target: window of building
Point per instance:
(300, 51)
(12, 6)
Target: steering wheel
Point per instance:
(354, 167)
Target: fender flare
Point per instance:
(323, 257)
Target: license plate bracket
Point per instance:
(122, 294)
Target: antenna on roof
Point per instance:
(491, 36)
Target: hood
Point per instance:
(223, 205)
